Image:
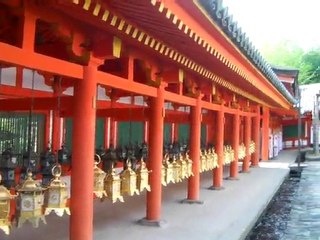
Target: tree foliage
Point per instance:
(289, 54)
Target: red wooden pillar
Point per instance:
(113, 132)
(247, 136)
(145, 131)
(29, 29)
(174, 132)
(195, 141)
(47, 130)
(155, 156)
(235, 146)
(107, 132)
(218, 172)
(83, 138)
(265, 134)
(256, 139)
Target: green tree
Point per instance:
(288, 54)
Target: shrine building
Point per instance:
(124, 96)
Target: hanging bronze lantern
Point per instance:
(176, 171)
(183, 166)
(129, 181)
(163, 175)
(215, 159)
(143, 177)
(98, 179)
(203, 162)
(169, 171)
(56, 195)
(209, 159)
(30, 202)
(5, 198)
(189, 165)
(112, 186)
(231, 154)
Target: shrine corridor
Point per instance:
(227, 214)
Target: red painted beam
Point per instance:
(176, 98)
(28, 59)
(11, 91)
(110, 80)
(39, 103)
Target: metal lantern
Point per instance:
(98, 180)
(163, 175)
(8, 163)
(8, 159)
(31, 161)
(189, 165)
(56, 195)
(176, 170)
(29, 202)
(209, 159)
(169, 171)
(215, 159)
(203, 161)
(183, 166)
(143, 177)
(112, 186)
(129, 181)
(5, 198)
(63, 155)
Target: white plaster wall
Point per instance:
(8, 76)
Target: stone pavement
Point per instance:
(227, 214)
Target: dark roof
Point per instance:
(220, 15)
(286, 70)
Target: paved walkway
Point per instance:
(225, 215)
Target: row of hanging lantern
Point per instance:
(177, 170)
(228, 154)
(114, 186)
(34, 202)
(208, 160)
(242, 152)
(252, 147)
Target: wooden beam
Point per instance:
(110, 80)
(28, 59)
(176, 98)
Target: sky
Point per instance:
(270, 21)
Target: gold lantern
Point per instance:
(189, 165)
(215, 159)
(163, 175)
(143, 177)
(209, 159)
(169, 171)
(5, 198)
(176, 170)
(56, 195)
(129, 181)
(98, 180)
(30, 202)
(183, 166)
(203, 162)
(113, 186)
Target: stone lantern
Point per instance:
(56, 195)
(30, 202)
